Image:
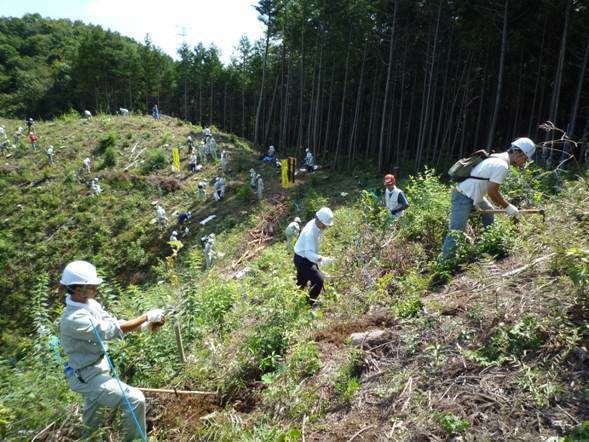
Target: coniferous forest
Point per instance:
(404, 82)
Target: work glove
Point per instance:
(155, 315)
(326, 260)
(512, 211)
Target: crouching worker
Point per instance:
(85, 330)
(306, 253)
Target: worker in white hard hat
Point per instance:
(50, 153)
(260, 187)
(309, 161)
(209, 252)
(202, 190)
(253, 178)
(224, 161)
(86, 329)
(292, 231)
(219, 186)
(485, 179)
(86, 164)
(162, 218)
(213, 148)
(204, 151)
(306, 253)
(96, 188)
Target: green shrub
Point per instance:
(311, 203)
(452, 424)
(245, 194)
(426, 220)
(513, 341)
(70, 115)
(156, 160)
(110, 158)
(347, 382)
(108, 141)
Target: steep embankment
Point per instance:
(50, 215)
(490, 346)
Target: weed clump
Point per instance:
(156, 160)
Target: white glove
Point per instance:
(511, 210)
(326, 260)
(156, 315)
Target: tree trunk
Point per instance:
(499, 77)
(425, 124)
(538, 76)
(386, 92)
(343, 108)
(353, 135)
(261, 97)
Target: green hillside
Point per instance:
(490, 346)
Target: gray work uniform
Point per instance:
(87, 370)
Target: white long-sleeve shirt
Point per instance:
(309, 242)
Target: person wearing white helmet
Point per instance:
(213, 148)
(96, 188)
(50, 154)
(209, 252)
(162, 217)
(253, 178)
(224, 161)
(204, 151)
(485, 179)
(86, 164)
(292, 231)
(309, 161)
(306, 253)
(85, 330)
(202, 190)
(260, 187)
(219, 186)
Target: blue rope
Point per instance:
(114, 372)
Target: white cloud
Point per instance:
(221, 22)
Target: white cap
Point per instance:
(297, 220)
(325, 215)
(527, 146)
(80, 273)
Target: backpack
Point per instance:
(462, 168)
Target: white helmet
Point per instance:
(297, 220)
(80, 273)
(527, 146)
(307, 150)
(325, 215)
(174, 233)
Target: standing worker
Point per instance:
(30, 123)
(213, 148)
(306, 253)
(50, 154)
(292, 231)
(86, 164)
(219, 189)
(485, 178)
(209, 252)
(260, 187)
(162, 218)
(202, 191)
(394, 198)
(85, 329)
(192, 163)
(17, 136)
(155, 112)
(253, 178)
(33, 140)
(224, 162)
(309, 161)
(204, 149)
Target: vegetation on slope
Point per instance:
(492, 345)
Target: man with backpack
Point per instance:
(480, 175)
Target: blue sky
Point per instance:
(221, 22)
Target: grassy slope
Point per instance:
(501, 354)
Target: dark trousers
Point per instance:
(307, 271)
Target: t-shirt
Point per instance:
(493, 169)
(309, 242)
